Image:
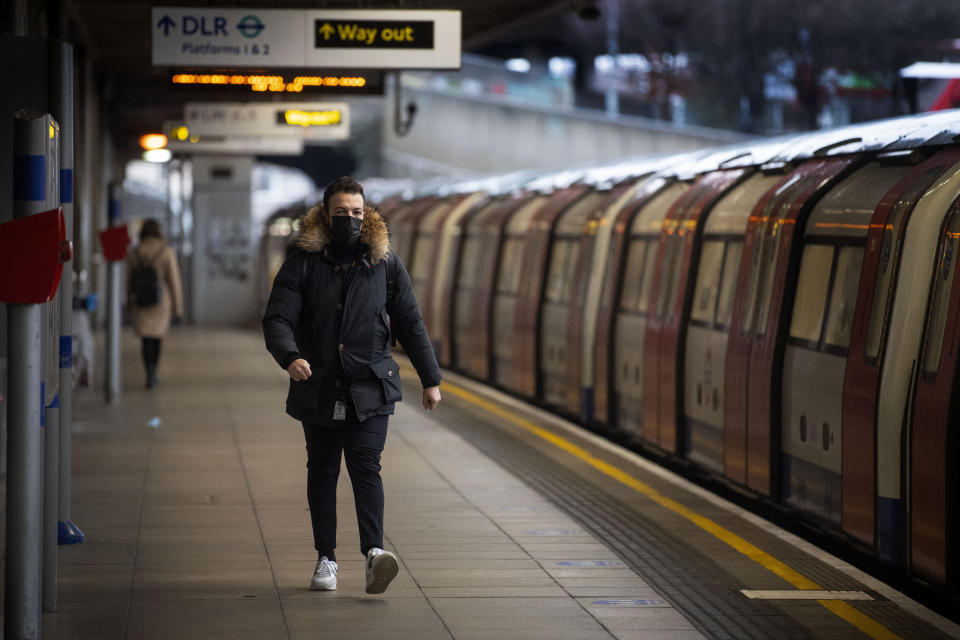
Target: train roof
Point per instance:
(893, 134)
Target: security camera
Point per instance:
(588, 10)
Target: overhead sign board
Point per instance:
(283, 81)
(309, 121)
(264, 145)
(268, 38)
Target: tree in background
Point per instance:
(736, 53)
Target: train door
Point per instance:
(705, 351)
(630, 322)
(561, 320)
(861, 384)
(584, 334)
(614, 261)
(756, 342)
(934, 450)
(899, 368)
(676, 254)
(507, 288)
(473, 291)
(818, 340)
(536, 257)
(446, 253)
(425, 244)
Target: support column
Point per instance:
(114, 304)
(61, 102)
(34, 152)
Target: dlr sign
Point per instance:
(204, 26)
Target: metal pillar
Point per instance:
(62, 93)
(33, 155)
(114, 304)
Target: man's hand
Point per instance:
(299, 369)
(431, 398)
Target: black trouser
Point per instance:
(361, 444)
(151, 352)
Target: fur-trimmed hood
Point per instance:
(373, 233)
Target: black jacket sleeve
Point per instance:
(407, 323)
(283, 312)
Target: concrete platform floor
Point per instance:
(192, 497)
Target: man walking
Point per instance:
(328, 323)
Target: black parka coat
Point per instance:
(344, 332)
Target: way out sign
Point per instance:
(264, 38)
(388, 39)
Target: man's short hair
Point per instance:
(343, 184)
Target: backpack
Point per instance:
(145, 283)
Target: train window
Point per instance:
(708, 281)
(769, 268)
(669, 275)
(470, 262)
(943, 287)
(890, 248)
(423, 254)
(633, 275)
(731, 269)
(646, 283)
(843, 298)
(563, 264)
(556, 273)
(811, 297)
(509, 278)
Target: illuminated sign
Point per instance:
(311, 121)
(301, 118)
(384, 39)
(407, 34)
(276, 83)
(297, 38)
(183, 140)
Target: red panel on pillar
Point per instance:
(31, 254)
(114, 242)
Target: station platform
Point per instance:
(509, 523)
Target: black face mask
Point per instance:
(345, 230)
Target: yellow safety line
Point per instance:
(852, 615)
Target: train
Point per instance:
(779, 315)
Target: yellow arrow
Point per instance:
(327, 30)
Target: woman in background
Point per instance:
(153, 297)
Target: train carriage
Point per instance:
(635, 304)
(818, 340)
(677, 252)
(531, 281)
(474, 286)
(884, 250)
(509, 273)
(708, 327)
(935, 494)
(562, 320)
(899, 369)
(612, 268)
(438, 243)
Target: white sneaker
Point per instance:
(324, 576)
(382, 567)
